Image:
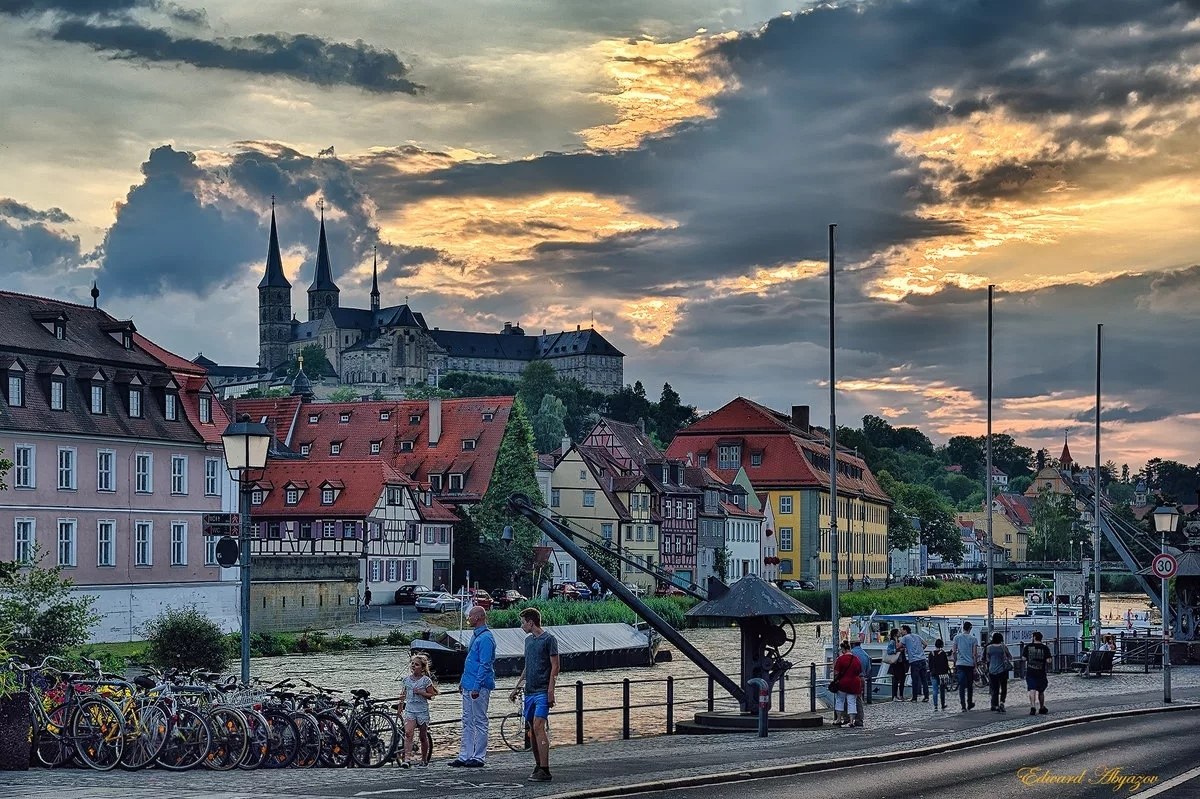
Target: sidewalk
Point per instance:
(893, 729)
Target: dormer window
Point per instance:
(385, 415)
(468, 444)
(313, 418)
(16, 388)
(376, 446)
(58, 390)
(406, 446)
(488, 416)
(205, 409)
(256, 497)
(414, 418)
(292, 496)
(135, 403)
(97, 398)
(171, 407)
(456, 482)
(344, 418)
(327, 496)
(335, 448)
(435, 482)
(305, 449)
(127, 340)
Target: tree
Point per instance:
(270, 393)
(537, 380)
(39, 613)
(967, 452)
(421, 391)
(462, 384)
(630, 404)
(315, 362)
(548, 427)
(5, 466)
(343, 394)
(721, 563)
(939, 532)
(670, 414)
(515, 472)
(1054, 517)
(1019, 485)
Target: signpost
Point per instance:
(220, 524)
(1164, 566)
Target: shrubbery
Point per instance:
(556, 612)
(184, 638)
(39, 614)
(900, 599)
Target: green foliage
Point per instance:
(39, 614)
(721, 563)
(185, 638)
(938, 532)
(270, 393)
(1019, 485)
(421, 391)
(1172, 481)
(560, 611)
(315, 363)
(548, 424)
(900, 599)
(5, 466)
(1054, 518)
(398, 638)
(462, 384)
(343, 394)
(670, 416)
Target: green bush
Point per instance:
(399, 638)
(557, 612)
(39, 615)
(184, 638)
(900, 599)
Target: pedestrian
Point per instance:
(476, 685)
(939, 673)
(847, 685)
(999, 662)
(918, 666)
(1108, 643)
(442, 588)
(367, 599)
(818, 632)
(966, 654)
(596, 591)
(419, 688)
(865, 661)
(897, 662)
(538, 676)
(1037, 660)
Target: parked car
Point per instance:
(483, 599)
(407, 594)
(808, 585)
(508, 598)
(584, 591)
(635, 589)
(668, 589)
(564, 591)
(437, 602)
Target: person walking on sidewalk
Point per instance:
(966, 654)
(476, 686)
(939, 673)
(847, 683)
(1037, 660)
(897, 664)
(865, 660)
(538, 676)
(999, 662)
(918, 666)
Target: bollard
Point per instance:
(870, 692)
(625, 709)
(710, 694)
(812, 687)
(782, 692)
(579, 711)
(670, 705)
(764, 702)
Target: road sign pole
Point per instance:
(1165, 566)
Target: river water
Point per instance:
(380, 669)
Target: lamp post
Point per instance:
(1166, 518)
(246, 444)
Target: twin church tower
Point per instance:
(388, 348)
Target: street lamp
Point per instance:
(1166, 518)
(246, 444)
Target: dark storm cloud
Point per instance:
(298, 56)
(80, 8)
(34, 248)
(1124, 413)
(23, 213)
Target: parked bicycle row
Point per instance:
(179, 721)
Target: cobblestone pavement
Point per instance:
(892, 727)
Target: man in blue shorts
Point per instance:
(538, 677)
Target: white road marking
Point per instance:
(1171, 783)
(386, 790)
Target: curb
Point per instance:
(860, 760)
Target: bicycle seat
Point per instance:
(71, 676)
(360, 693)
(143, 681)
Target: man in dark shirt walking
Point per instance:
(538, 676)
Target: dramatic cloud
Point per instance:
(81, 8)
(298, 56)
(23, 213)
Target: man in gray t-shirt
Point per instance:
(965, 649)
(538, 676)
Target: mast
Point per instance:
(834, 599)
(1096, 494)
(991, 560)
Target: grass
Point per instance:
(558, 612)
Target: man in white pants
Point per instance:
(478, 681)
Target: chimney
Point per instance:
(642, 424)
(566, 445)
(435, 421)
(800, 417)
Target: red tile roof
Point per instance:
(361, 483)
(461, 419)
(192, 379)
(1018, 507)
(790, 456)
(735, 510)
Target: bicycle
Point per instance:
(83, 726)
(516, 730)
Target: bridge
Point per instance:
(1033, 567)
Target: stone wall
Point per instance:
(298, 592)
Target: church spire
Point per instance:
(273, 277)
(375, 281)
(1066, 460)
(323, 293)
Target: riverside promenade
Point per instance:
(613, 768)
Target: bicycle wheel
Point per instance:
(373, 739)
(308, 750)
(258, 739)
(981, 679)
(335, 741)
(188, 741)
(51, 739)
(283, 739)
(146, 737)
(515, 732)
(230, 739)
(98, 733)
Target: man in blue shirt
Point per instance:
(867, 675)
(918, 666)
(478, 681)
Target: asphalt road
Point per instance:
(1098, 759)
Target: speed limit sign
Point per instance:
(1164, 566)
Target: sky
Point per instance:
(665, 170)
